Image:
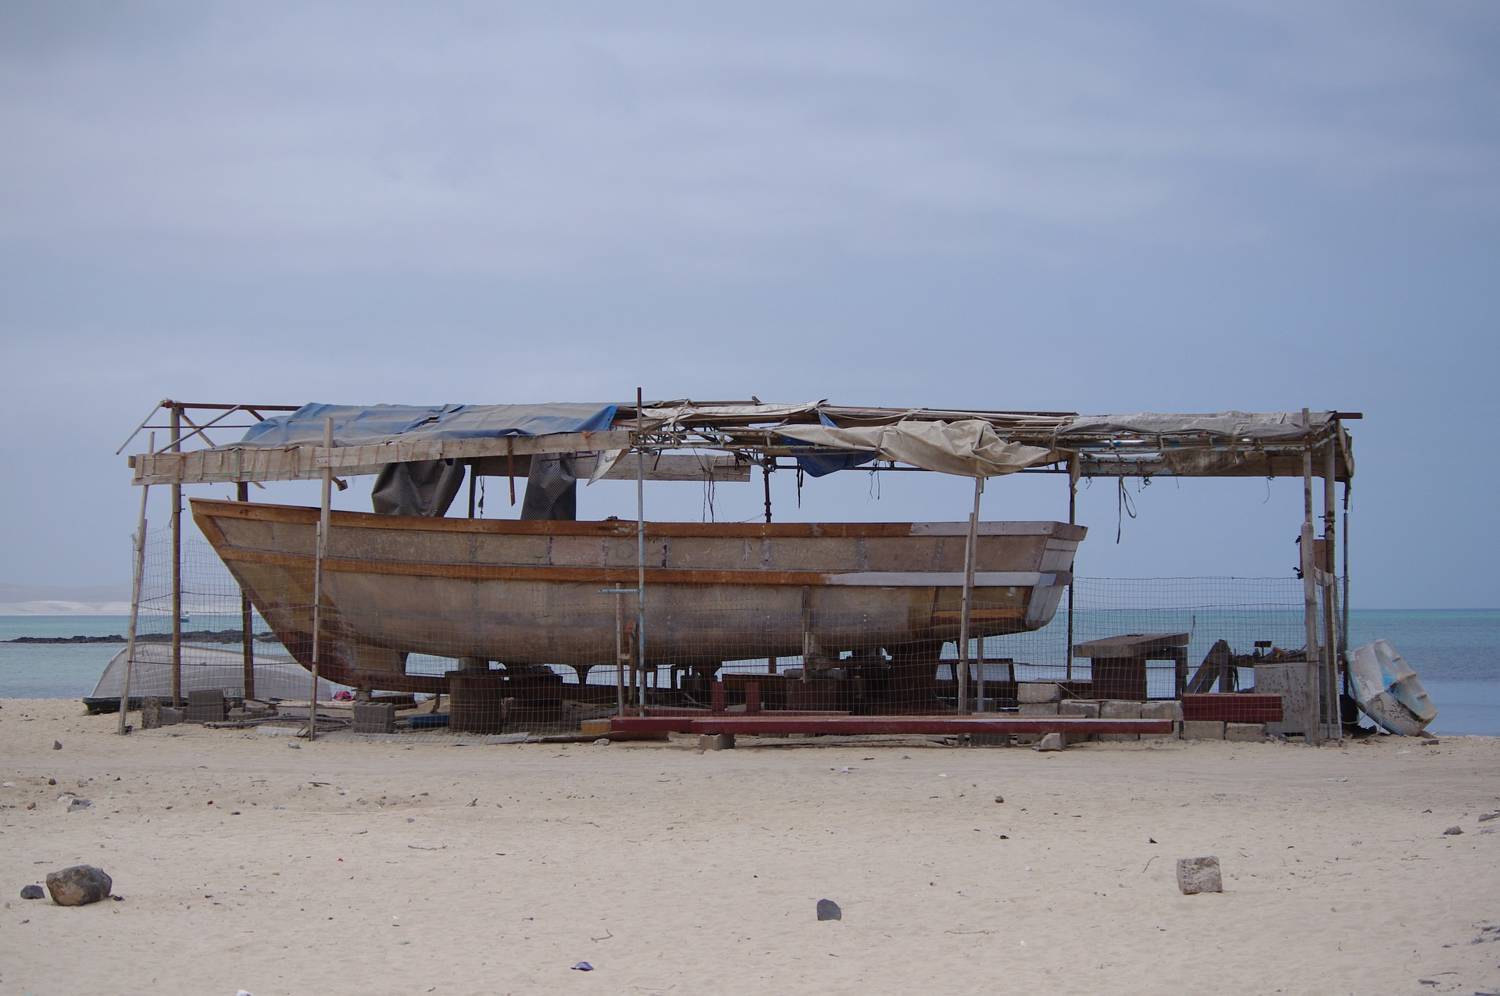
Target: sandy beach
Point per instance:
(419, 865)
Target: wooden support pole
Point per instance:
(137, 571)
(176, 447)
(1314, 714)
(1330, 595)
(1344, 636)
(966, 610)
(1072, 518)
(473, 479)
(247, 637)
(320, 555)
(640, 544)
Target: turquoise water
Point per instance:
(1456, 652)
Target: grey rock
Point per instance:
(72, 803)
(1490, 816)
(1453, 831)
(1052, 741)
(57, 745)
(78, 885)
(1195, 875)
(829, 910)
(32, 892)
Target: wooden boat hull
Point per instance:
(530, 593)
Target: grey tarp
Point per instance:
(418, 487)
(355, 424)
(969, 447)
(1251, 426)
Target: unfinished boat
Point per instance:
(1388, 690)
(203, 668)
(525, 592)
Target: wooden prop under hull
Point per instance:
(529, 593)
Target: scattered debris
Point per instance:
(1195, 875)
(1486, 817)
(829, 910)
(999, 798)
(72, 803)
(582, 966)
(78, 885)
(32, 892)
(1431, 742)
(57, 745)
(1453, 831)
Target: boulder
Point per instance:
(1052, 741)
(78, 885)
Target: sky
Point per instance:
(1090, 207)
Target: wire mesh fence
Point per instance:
(505, 655)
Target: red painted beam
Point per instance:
(866, 725)
(1232, 707)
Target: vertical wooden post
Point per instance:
(620, 657)
(176, 447)
(1072, 518)
(473, 477)
(137, 570)
(966, 608)
(1331, 593)
(247, 637)
(321, 553)
(1314, 714)
(1344, 635)
(640, 544)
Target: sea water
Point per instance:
(1455, 652)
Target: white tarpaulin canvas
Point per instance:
(968, 447)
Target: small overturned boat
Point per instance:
(1388, 691)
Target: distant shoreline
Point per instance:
(193, 635)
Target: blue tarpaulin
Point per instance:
(356, 424)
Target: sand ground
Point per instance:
(400, 866)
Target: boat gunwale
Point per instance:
(304, 514)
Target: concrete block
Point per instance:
(1034, 709)
(206, 706)
(150, 713)
(715, 741)
(1078, 709)
(1245, 733)
(1202, 729)
(1052, 741)
(1168, 709)
(1195, 875)
(1029, 692)
(1163, 710)
(1289, 680)
(374, 717)
(1119, 709)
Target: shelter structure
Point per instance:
(423, 455)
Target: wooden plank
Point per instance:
(1131, 645)
(767, 723)
(206, 507)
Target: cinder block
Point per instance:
(1078, 709)
(1163, 710)
(1029, 692)
(1034, 709)
(150, 713)
(1166, 709)
(1245, 732)
(1202, 729)
(171, 716)
(374, 717)
(206, 706)
(715, 741)
(1119, 709)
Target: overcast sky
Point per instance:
(1090, 207)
